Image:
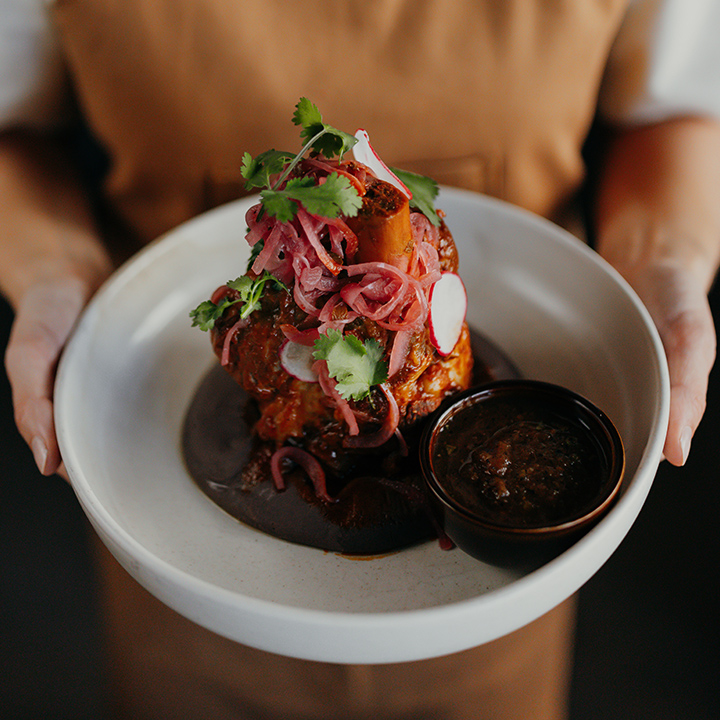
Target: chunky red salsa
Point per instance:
(518, 464)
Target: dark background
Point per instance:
(648, 628)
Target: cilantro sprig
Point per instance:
(207, 313)
(333, 197)
(259, 170)
(355, 366)
(424, 191)
(319, 136)
(336, 195)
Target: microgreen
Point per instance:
(355, 366)
(424, 191)
(207, 313)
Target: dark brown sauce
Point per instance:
(380, 507)
(519, 465)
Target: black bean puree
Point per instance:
(380, 506)
(518, 466)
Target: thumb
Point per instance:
(44, 320)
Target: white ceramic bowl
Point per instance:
(560, 312)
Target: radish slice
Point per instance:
(448, 305)
(365, 154)
(297, 360)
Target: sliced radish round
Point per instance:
(448, 306)
(364, 153)
(297, 360)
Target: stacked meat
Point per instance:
(370, 276)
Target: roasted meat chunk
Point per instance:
(347, 329)
(330, 332)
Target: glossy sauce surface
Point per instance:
(520, 464)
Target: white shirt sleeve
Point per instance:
(32, 75)
(665, 62)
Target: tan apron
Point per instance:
(494, 95)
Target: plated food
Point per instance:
(346, 331)
(134, 354)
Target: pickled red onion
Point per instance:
(307, 462)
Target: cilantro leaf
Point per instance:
(424, 191)
(355, 366)
(321, 137)
(329, 199)
(307, 115)
(207, 313)
(251, 290)
(281, 199)
(282, 203)
(257, 171)
(333, 197)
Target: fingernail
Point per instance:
(685, 439)
(40, 453)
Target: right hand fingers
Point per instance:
(44, 319)
(678, 303)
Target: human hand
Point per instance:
(44, 319)
(658, 222)
(678, 303)
(52, 259)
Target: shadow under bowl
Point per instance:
(518, 470)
